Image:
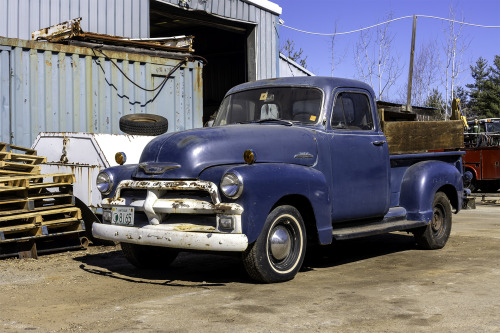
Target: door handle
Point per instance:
(378, 143)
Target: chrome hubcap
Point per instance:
(280, 243)
(437, 220)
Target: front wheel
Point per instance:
(435, 235)
(145, 256)
(278, 253)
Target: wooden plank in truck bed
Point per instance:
(420, 136)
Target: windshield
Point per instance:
(493, 127)
(285, 103)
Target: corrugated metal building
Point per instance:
(46, 87)
(62, 88)
(128, 18)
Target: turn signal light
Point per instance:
(249, 156)
(120, 158)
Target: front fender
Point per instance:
(117, 174)
(265, 184)
(421, 182)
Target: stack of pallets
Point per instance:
(37, 211)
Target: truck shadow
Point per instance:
(206, 270)
(348, 251)
(188, 269)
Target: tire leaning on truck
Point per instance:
(435, 235)
(143, 124)
(277, 255)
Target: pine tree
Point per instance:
(463, 96)
(436, 100)
(480, 73)
(492, 90)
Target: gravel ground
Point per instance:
(377, 284)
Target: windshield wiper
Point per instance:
(274, 120)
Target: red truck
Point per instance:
(482, 158)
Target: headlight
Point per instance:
(104, 183)
(231, 185)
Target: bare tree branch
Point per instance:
(454, 49)
(382, 67)
(335, 59)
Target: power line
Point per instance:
(347, 32)
(464, 23)
(389, 21)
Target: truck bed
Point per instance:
(405, 137)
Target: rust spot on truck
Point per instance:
(193, 227)
(180, 204)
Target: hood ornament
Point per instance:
(304, 155)
(158, 168)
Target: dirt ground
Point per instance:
(377, 284)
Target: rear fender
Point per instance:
(421, 182)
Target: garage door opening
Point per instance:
(228, 46)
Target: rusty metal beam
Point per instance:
(71, 30)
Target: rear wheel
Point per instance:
(145, 256)
(436, 234)
(278, 253)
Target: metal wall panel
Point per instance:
(267, 38)
(129, 18)
(4, 94)
(60, 88)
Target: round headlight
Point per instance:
(231, 185)
(104, 183)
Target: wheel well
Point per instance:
(306, 211)
(472, 170)
(451, 193)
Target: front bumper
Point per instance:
(160, 235)
(171, 219)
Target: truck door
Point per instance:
(359, 159)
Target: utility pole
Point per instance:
(412, 54)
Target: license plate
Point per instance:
(122, 215)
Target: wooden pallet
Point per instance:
(19, 162)
(35, 208)
(32, 247)
(18, 226)
(46, 181)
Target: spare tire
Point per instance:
(143, 124)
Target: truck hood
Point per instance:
(185, 155)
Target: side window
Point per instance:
(352, 111)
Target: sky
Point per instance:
(321, 16)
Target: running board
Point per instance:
(394, 221)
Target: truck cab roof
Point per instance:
(325, 83)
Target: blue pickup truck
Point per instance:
(289, 162)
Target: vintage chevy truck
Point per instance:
(288, 162)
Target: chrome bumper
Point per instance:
(160, 235)
(172, 234)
